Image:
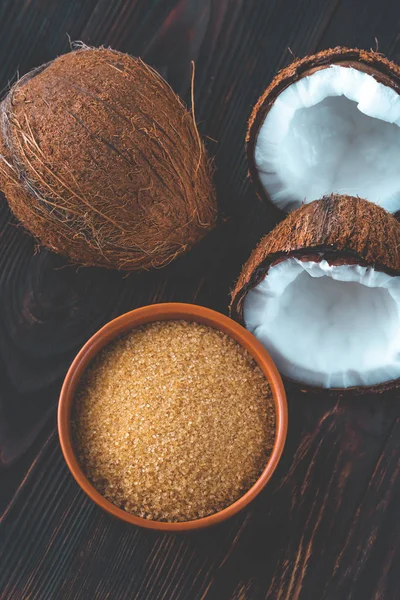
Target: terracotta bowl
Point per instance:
(160, 312)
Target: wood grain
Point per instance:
(327, 527)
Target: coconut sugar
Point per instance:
(174, 421)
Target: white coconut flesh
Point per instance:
(328, 326)
(335, 131)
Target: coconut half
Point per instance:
(328, 123)
(322, 293)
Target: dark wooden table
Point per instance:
(328, 525)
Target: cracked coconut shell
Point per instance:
(345, 137)
(102, 162)
(342, 231)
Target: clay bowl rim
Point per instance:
(127, 322)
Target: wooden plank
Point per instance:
(327, 526)
(365, 25)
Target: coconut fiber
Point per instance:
(103, 163)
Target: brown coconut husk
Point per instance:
(103, 163)
(373, 63)
(339, 229)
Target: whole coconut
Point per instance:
(103, 163)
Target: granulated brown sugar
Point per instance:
(174, 421)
